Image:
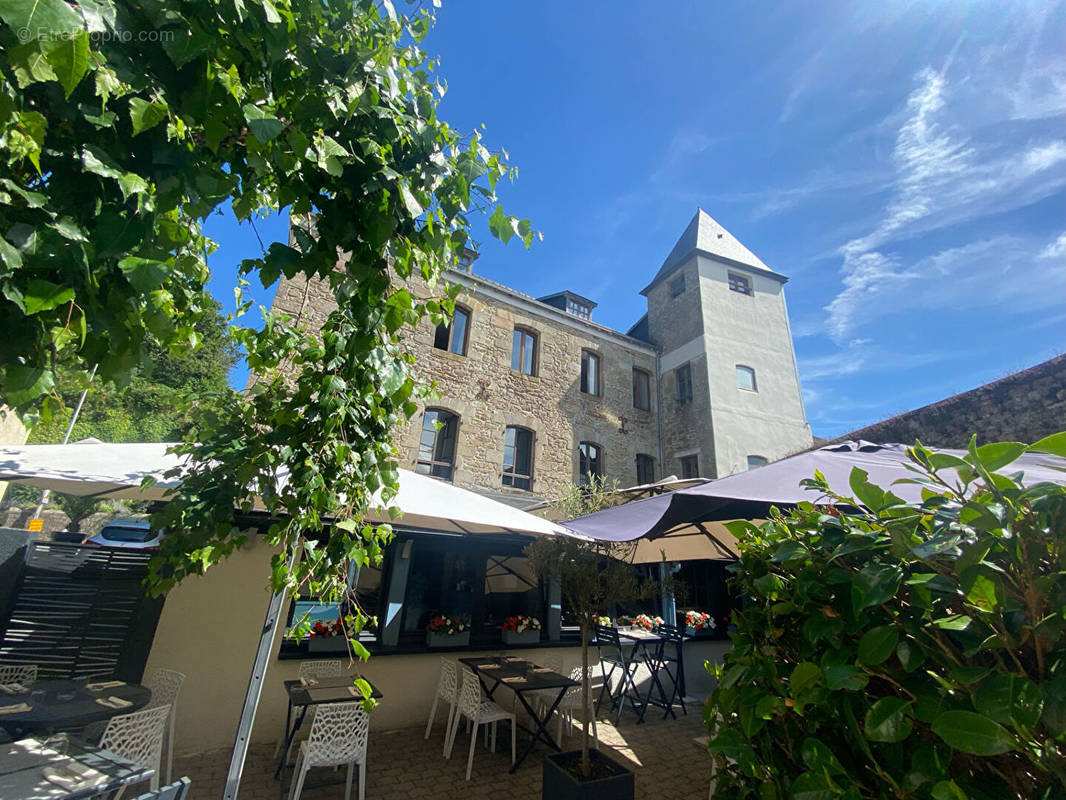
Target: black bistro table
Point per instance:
(522, 677)
(650, 647)
(307, 692)
(82, 771)
(63, 705)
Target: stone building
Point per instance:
(534, 395)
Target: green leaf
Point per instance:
(1054, 444)
(947, 790)
(145, 115)
(25, 384)
(500, 225)
(910, 655)
(869, 495)
(414, 208)
(263, 125)
(789, 551)
(40, 295)
(972, 733)
(875, 585)
(145, 274)
(845, 676)
(999, 454)
(980, 589)
(40, 19)
(30, 65)
(877, 644)
(1008, 698)
(818, 757)
(69, 58)
(887, 720)
(811, 786)
(805, 674)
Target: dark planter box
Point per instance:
(327, 644)
(524, 638)
(559, 784)
(447, 640)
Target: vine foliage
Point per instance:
(123, 125)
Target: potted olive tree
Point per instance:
(592, 575)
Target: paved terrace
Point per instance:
(668, 756)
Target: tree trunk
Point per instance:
(586, 768)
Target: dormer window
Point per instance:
(578, 309)
(466, 260)
(677, 286)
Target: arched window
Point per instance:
(746, 378)
(756, 461)
(590, 462)
(436, 448)
(453, 336)
(518, 458)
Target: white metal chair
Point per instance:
(17, 673)
(323, 668)
(139, 738)
(447, 690)
(338, 736)
(166, 685)
(572, 702)
(178, 790)
(479, 712)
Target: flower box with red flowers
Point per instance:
(698, 622)
(448, 632)
(520, 630)
(645, 622)
(327, 637)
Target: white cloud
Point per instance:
(941, 180)
(1055, 249)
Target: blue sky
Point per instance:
(904, 163)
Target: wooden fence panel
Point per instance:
(81, 611)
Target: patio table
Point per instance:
(23, 766)
(651, 646)
(522, 677)
(60, 705)
(308, 692)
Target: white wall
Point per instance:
(752, 330)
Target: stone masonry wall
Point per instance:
(487, 395)
(1023, 407)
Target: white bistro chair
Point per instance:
(323, 668)
(571, 702)
(338, 736)
(480, 712)
(447, 690)
(165, 685)
(17, 673)
(139, 738)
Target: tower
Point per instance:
(729, 386)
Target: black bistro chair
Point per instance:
(613, 654)
(673, 640)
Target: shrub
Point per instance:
(901, 651)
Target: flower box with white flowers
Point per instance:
(448, 632)
(520, 630)
(698, 622)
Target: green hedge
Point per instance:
(902, 651)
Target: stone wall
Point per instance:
(487, 395)
(1023, 407)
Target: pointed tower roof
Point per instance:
(705, 236)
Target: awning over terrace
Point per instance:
(687, 521)
(117, 470)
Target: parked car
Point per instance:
(134, 533)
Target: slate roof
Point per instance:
(706, 236)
